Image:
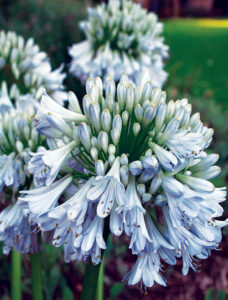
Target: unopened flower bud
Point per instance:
(103, 141)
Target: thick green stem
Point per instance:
(15, 275)
(100, 283)
(90, 282)
(36, 267)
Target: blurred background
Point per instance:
(197, 34)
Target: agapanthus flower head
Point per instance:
(27, 70)
(131, 163)
(121, 36)
(18, 139)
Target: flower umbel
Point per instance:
(139, 166)
(121, 36)
(27, 70)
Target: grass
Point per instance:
(198, 63)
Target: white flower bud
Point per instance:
(111, 159)
(94, 141)
(89, 84)
(94, 113)
(84, 134)
(130, 99)
(117, 123)
(111, 149)
(124, 78)
(106, 120)
(15, 71)
(169, 131)
(103, 141)
(160, 200)
(110, 88)
(170, 111)
(75, 135)
(179, 113)
(141, 189)
(14, 55)
(116, 108)
(136, 167)
(14, 91)
(121, 95)
(124, 175)
(145, 104)
(99, 85)
(99, 167)
(156, 96)
(19, 147)
(139, 113)
(115, 134)
(85, 103)
(146, 197)
(110, 102)
(194, 120)
(73, 103)
(123, 159)
(149, 115)
(136, 128)
(93, 94)
(94, 153)
(160, 117)
(30, 144)
(125, 117)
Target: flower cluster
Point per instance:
(18, 138)
(27, 70)
(134, 164)
(121, 36)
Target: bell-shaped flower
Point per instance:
(108, 189)
(146, 270)
(15, 232)
(167, 160)
(8, 172)
(134, 220)
(185, 144)
(66, 218)
(157, 240)
(40, 200)
(91, 241)
(54, 160)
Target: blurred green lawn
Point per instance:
(198, 60)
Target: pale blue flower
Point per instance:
(40, 200)
(146, 270)
(115, 44)
(108, 189)
(15, 231)
(134, 164)
(30, 67)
